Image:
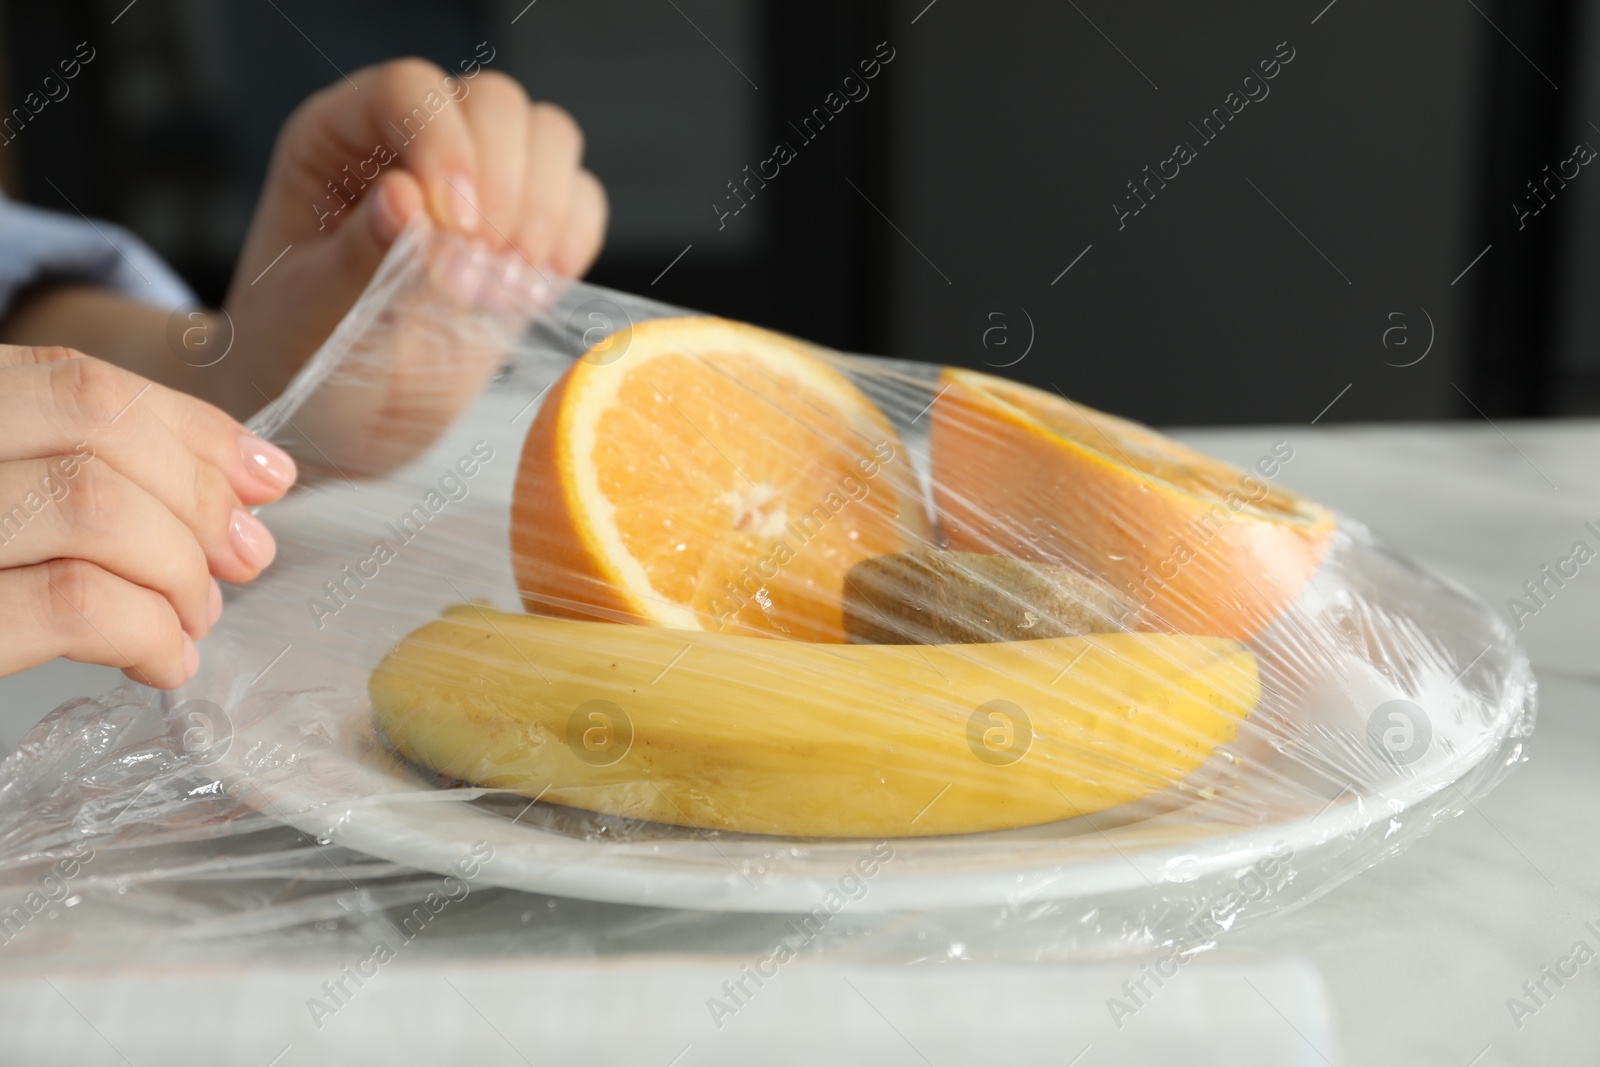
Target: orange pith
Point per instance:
(1204, 547)
(715, 476)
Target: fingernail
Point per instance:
(463, 200)
(191, 658)
(214, 604)
(501, 284)
(269, 464)
(386, 220)
(251, 540)
(461, 271)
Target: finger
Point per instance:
(88, 409)
(407, 110)
(396, 199)
(414, 107)
(72, 608)
(496, 114)
(555, 149)
(586, 228)
(257, 471)
(90, 512)
(383, 212)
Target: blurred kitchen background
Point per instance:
(1352, 236)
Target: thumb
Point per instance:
(380, 216)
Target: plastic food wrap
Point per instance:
(670, 623)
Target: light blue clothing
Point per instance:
(37, 245)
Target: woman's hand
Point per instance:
(352, 166)
(359, 159)
(119, 500)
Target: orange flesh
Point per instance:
(742, 486)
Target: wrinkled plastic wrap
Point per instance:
(645, 630)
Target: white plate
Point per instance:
(1304, 777)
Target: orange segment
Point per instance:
(716, 477)
(1204, 547)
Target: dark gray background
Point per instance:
(930, 220)
(1208, 305)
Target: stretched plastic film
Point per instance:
(654, 629)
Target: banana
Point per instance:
(764, 736)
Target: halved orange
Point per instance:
(1204, 547)
(716, 476)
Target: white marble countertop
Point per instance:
(1422, 953)
(1418, 956)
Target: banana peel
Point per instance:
(748, 734)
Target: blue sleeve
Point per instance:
(38, 245)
